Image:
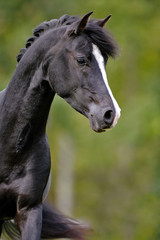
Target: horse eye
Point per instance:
(81, 61)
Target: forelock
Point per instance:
(102, 38)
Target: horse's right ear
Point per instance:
(78, 27)
(102, 22)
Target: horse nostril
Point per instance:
(108, 117)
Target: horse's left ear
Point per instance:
(102, 22)
(80, 25)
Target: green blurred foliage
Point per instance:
(117, 174)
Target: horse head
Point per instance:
(76, 71)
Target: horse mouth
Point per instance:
(99, 130)
(96, 125)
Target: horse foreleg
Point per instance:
(29, 222)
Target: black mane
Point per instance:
(99, 36)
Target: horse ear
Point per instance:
(80, 25)
(102, 22)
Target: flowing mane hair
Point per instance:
(98, 35)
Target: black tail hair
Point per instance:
(54, 225)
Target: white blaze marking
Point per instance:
(100, 61)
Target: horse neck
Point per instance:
(27, 99)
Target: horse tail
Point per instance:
(54, 225)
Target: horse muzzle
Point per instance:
(104, 120)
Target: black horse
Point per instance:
(67, 57)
